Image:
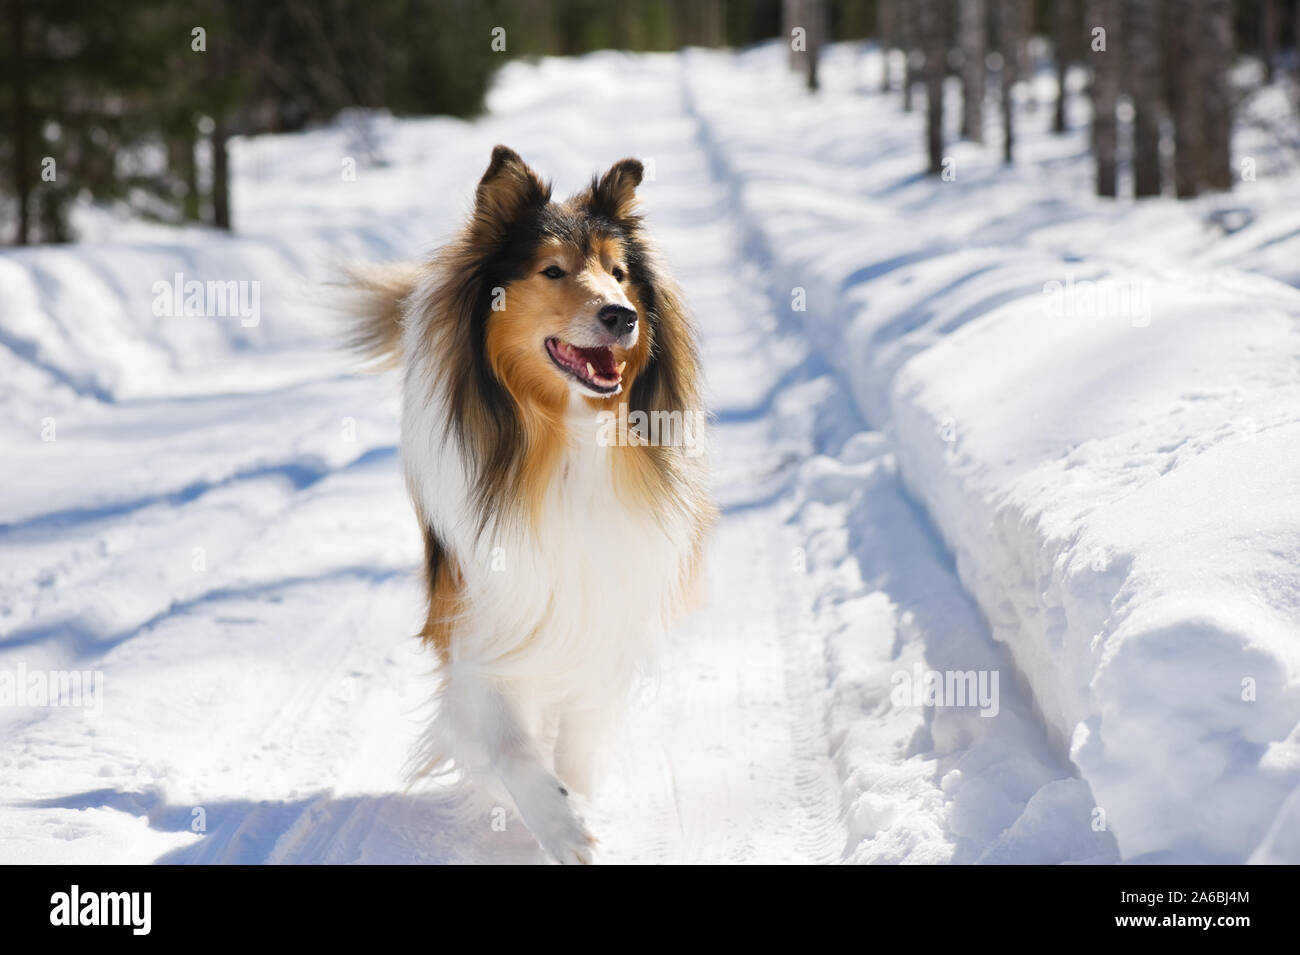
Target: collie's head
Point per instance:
(539, 307)
(567, 314)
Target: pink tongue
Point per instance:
(602, 359)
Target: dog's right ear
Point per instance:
(508, 190)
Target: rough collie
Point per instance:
(558, 547)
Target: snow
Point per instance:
(934, 466)
(1101, 419)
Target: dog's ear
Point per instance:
(613, 195)
(508, 190)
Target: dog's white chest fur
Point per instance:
(572, 605)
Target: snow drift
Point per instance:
(1107, 438)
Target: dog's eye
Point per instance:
(553, 272)
(619, 275)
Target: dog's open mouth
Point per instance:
(595, 368)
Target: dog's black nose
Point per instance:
(619, 319)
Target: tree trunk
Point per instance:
(885, 12)
(1024, 56)
(934, 42)
(1268, 36)
(186, 172)
(1010, 20)
(809, 16)
(1142, 27)
(910, 31)
(220, 175)
(1295, 39)
(22, 159)
(789, 20)
(1104, 15)
(715, 23)
(1063, 26)
(1185, 97)
(52, 210)
(1216, 34)
(973, 38)
(815, 15)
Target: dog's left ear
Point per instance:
(614, 194)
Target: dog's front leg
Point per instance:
(576, 748)
(491, 736)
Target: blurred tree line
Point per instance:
(135, 100)
(1164, 70)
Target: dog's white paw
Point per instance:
(571, 844)
(549, 813)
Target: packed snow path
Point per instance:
(220, 528)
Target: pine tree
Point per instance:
(81, 76)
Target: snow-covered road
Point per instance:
(218, 527)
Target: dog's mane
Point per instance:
(500, 441)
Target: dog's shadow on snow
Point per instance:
(448, 825)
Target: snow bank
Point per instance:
(1107, 438)
(1122, 503)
